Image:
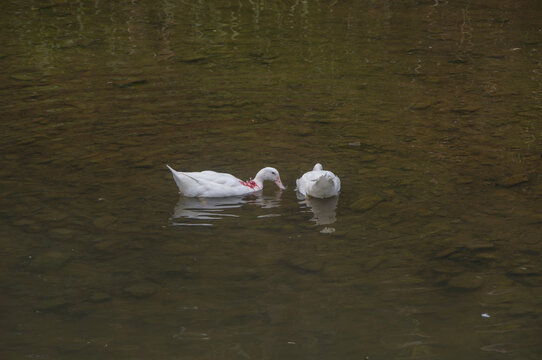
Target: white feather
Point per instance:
(214, 184)
(319, 183)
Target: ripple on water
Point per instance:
(205, 211)
(438, 144)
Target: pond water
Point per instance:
(429, 111)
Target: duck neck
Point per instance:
(258, 179)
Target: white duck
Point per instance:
(213, 184)
(319, 183)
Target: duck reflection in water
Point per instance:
(196, 209)
(324, 210)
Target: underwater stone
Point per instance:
(192, 58)
(61, 232)
(180, 248)
(79, 310)
(524, 270)
(51, 304)
(312, 265)
(521, 310)
(365, 204)
(341, 270)
(445, 253)
(141, 290)
(76, 344)
(104, 221)
(23, 77)
(24, 222)
(99, 297)
(480, 246)
(513, 180)
(52, 260)
(424, 105)
(373, 263)
(368, 158)
(130, 82)
(303, 132)
(54, 215)
(486, 257)
(534, 220)
(464, 110)
(109, 246)
(464, 180)
(466, 281)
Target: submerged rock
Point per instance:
(366, 203)
(342, 270)
(464, 110)
(130, 82)
(53, 215)
(423, 105)
(310, 265)
(52, 260)
(110, 246)
(99, 297)
(104, 221)
(51, 304)
(75, 344)
(24, 77)
(368, 158)
(480, 246)
(524, 270)
(534, 219)
(141, 290)
(445, 253)
(61, 232)
(513, 180)
(466, 281)
(520, 309)
(192, 58)
(373, 263)
(500, 348)
(464, 180)
(79, 310)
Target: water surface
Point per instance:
(429, 112)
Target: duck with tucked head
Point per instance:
(319, 183)
(214, 184)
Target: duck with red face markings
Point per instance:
(214, 184)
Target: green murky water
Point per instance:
(429, 111)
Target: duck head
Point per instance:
(271, 174)
(317, 167)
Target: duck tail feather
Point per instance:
(190, 177)
(177, 174)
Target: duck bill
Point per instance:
(279, 184)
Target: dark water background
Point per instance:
(429, 111)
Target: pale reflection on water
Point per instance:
(189, 210)
(324, 210)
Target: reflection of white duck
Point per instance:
(319, 183)
(196, 209)
(206, 209)
(323, 209)
(213, 184)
